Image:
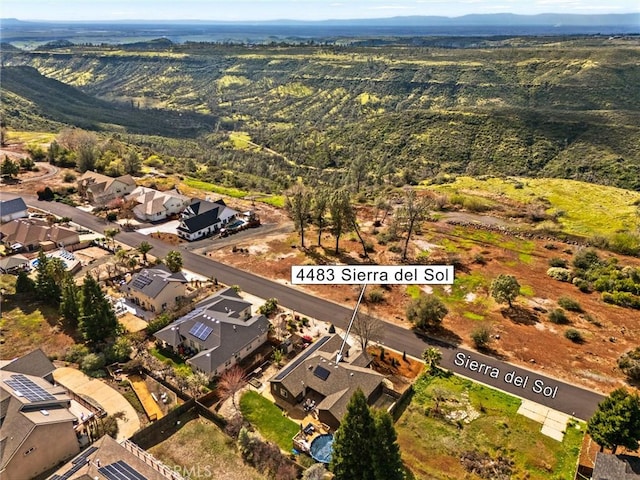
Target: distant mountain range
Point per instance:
(498, 19)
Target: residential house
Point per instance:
(219, 333)
(34, 233)
(107, 459)
(12, 209)
(203, 218)
(36, 426)
(315, 378)
(616, 467)
(34, 363)
(100, 189)
(156, 289)
(154, 206)
(14, 264)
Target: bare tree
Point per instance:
(196, 381)
(413, 211)
(367, 328)
(230, 383)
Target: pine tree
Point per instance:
(98, 320)
(24, 284)
(342, 215)
(49, 275)
(353, 447)
(387, 462)
(70, 304)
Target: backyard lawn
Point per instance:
(200, 450)
(434, 435)
(268, 420)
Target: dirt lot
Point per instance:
(524, 333)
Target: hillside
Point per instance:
(30, 100)
(523, 106)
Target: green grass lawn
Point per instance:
(201, 450)
(268, 419)
(588, 209)
(432, 445)
(180, 367)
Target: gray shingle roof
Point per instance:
(151, 281)
(616, 467)
(15, 205)
(35, 363)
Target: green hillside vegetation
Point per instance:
(564, 108)
(24, 88)
(581, 208)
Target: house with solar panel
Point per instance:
(203, 218)
(156, 289)
(107, 459)
(219, 333)
(314, 382)
(36, 426)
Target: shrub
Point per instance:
(481, 337)
(561, 274)
(585, 258)
(92, 363)
(550, 246)
(583, 285)
(426, 311)
(625, 243)
(75, 353)
(557, 262)
(69, 177)
(629, 363)
(569, 304)
(45, 194)
(269, 308)
(558, 316)
(376, 296)
(591, 319)
(623, 299)
(573, 335)
(479, 259)
(158, 323)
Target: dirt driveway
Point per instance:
(108, 398)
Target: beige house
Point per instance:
(37, 428)
(107, 459)
(100, 189)
(34, 233)
(154, 206)
(156, 289)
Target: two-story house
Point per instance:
(156, 288)
(155, 206)
(219, 333)
(100, 189)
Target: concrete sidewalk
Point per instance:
(109, 399)
(554, 423)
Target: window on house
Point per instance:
(29, 451)
(283, 392)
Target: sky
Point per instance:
(255, 10)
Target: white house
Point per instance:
(203, 218)
(154, 206)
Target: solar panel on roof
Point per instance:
(141, 281)
(120, 471)
(83, 456)
(321, 372)
(201, 331)
(24, 387)
(302, 357)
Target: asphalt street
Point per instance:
(525, 383)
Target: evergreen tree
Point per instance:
(9, 168)
(616, 422)
(24, 283)
(70, 304)
(97, 320)
(132, 163)
(353, 447)
(319, 211)
(387, 462)
(49, 275)
(505, 289)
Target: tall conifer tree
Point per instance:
(98, 320)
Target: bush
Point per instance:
(573, 335)
(585, 258)
(75, 353)
(569, 304)
(629, 363)
(69, 177)
(426, 311)
(583, 285)
(269, 308)
(376, 296)
(24, 283)
(158, 323)
(625, 243)
(561, 274)
(558, 316)
(481, 337)
(45, 194)
(92, 363)
(622, 299)
(557, 262)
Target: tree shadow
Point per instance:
(492, 352)
(325, 256)
(521, 315)
(439, 336)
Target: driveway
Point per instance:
(109, 399)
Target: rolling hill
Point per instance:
(562, 107)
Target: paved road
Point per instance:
(534, 386)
